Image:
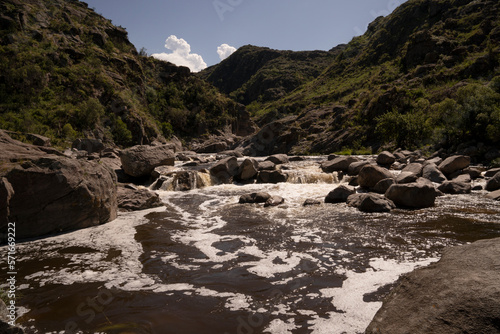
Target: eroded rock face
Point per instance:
(458, 294)
(141, 160)
(45, 194)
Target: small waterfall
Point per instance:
(183, 180)
(305, 176)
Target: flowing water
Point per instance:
(205, 264)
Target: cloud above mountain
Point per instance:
(225, 50)
(181, 54)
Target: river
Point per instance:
(205, 264)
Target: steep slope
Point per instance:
(428, 74)
(259, 74)
(66, 72)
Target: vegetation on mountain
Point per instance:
(67, 72)
(428, 74)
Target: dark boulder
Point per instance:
(89, 145)
(458, 294)
(406, 177)
(454, 163)
(254, 198)
(267, 165)
(455, 187)
(248, 169)
(274, 201)
(432, 173)
(311, 202)
(493, 183)
(414, 167)
(494, 195)
(278, 159)
(370, 175)
(225, 169)
(338, 164)
(274, 176)
(382, 185)
(370, 202)
(386, 158)
(412, 195)
(141, 160)
(137, 199)
(355, 167)
(339, 194)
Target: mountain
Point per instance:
(67, 72)
(426, 75)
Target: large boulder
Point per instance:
(493, 183)
(494, 195)
(370, 202)
(278, 159)
(414, 167)
(431, 172)
(254, 198)
(382, 185)
(339, 194)
(130, 199)
(412, 195)
(248, 169)
(406, 177)
(141, 160)
(386, 158)
(355, 167)
(271, 176)
(455, 187)
(370, 175)
(458, 294)
(46, 194)
(224, 170)
(88, 144)
(454, 163)
(338, 164)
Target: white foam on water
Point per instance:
(278, 326)
(349, 298)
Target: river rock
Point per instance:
(355, 167)
(406, 177)
(455, 187)
(464, 178)
(273, 176)
(370, 202)
(474, 173)
(494, 195)
(458, 294)
(274, 201)
(248, 169)
(412, 195)
(311, 202)
(493, 183)
(338, 164)
(414, 167)
(432, 173)
(267, 165)
(278, 159)
(141, 160)
(491, 172)
(370, 175)
(254, 198)
(137, 199)
(454, 163)
(386, 158)
(225, 169)
(40, 191)
(339, 194)
(382, 185)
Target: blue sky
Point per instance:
(198, 27)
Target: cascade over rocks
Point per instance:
(141, 160)
(458, 294)
(39, 191)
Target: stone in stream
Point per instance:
(254, 198)
(414, 167)
(267, 165)
(338, 164)
(432, 173)
(406, 177)
(137, 199)
(311, 202)
(493, 183)
(370, 202)
(382, 185)
(455, 187)
(274, 176)
(225, 169)
(141, 160)
(412, 195)
(248, 169)
(494, 195)
(458, 294)
(454, 163)
(370, 175)
(274, 201)
(339, 194)
(386, 158)
(278, 159)
(355, 167)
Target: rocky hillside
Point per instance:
(428, 74)
(67, 72)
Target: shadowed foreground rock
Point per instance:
(47, 193)
(458, 294)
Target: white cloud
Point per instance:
(181, 54)
(225, 51)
